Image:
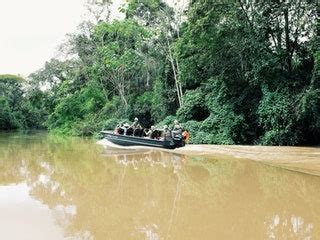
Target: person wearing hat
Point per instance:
(166, 134)
(136, 127)
(176, 125)
(125, 128)
(119, 129)
(149, 132)
(177, 129)
(136, 124)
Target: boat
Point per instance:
(130, 140)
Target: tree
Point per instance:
(99, 10)
(119, 63)
(236, 50)
(234, 72)
(161, 20)
(11, 99)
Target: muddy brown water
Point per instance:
(71, 188)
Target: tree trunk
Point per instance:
(288, 46)
(179, 83)
(175, 74)
(122, 95)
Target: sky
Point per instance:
(32, 30)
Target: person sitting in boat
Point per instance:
(177, 130)
(177, 126)
(166, 133)
(125, 128)
(186, 136)
(137, 129)
(136, 124)
(149, 133)
(119, 129)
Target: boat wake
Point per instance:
(299, 159)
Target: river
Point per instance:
(71, 188)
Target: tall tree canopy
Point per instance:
(233, 72)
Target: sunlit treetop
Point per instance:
(10, 77)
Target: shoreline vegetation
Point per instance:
(242, 72)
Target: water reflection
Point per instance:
(23, 217)
(69, 188)
(293, 227)
(152, 158)
(172, 163)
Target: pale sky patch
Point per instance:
(32, 30)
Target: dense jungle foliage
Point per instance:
(20, 108)
(232, 72)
